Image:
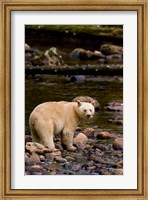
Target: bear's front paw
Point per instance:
(71, 148)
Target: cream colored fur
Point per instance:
(51, 118)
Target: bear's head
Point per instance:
(85, 110)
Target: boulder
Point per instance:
(83, 54)
(80, 140)
(51, 57)
(118, 144)
(89, 132)
(105, 135)
(36, 147)
(109, 49)
(114, 106)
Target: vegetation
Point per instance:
(97, 30)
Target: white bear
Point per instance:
(51, 118)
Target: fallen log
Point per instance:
(75, 70)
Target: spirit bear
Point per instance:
(51, 118)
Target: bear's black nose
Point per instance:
(88, 116)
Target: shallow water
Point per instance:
(105, 89)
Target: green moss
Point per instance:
(111, 31)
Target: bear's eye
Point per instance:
(85, 110)
(90, 110)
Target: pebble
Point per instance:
(96, 159)
(60, 159)
(117, 171)
(36, 168)
(70, 158)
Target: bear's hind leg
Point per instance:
(45, 135)
(67, 140)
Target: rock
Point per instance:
(83, 54)
(116, 121)
(54, 166)
(89, 132)
(77, 78)
(80, 140)
(98, 152)
(28, 138)
(105, 173)
(70, 158)
(27, 47)
(76, 167)
(105, 135)
(54, 172)
(118, 144)
(42, 158)
(60, 159)
(36, 173)
(36, 147)
(91, 168)
(51, 57)
(114, 106)
(102, 147)
(34, 159)
(114, 58)
(36, 168)
(117, 171)
(52, 155)
(96, 158)
(108, 49)
(89, 100)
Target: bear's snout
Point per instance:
(89, 116)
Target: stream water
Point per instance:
(43, 88)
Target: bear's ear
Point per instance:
(79, 102)
(93, 103)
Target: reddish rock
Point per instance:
(89, 132)
(115, 106)
(36, 147)
(42, 158)
(52, 155)
(70, 158)
(117, 171)
(34, 159)
(118, 144)
(105, 173)
(36, 168)
(80, 140)
(60, 159)
(105, 135)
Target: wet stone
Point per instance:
(36, 168)
(105, 135)
(34, 158)
(70, 158)
(36, 147)
(89, 132)
(80, 140)
(60, 159)
(54, 166)
(118, 144)
(115, 106)
(51, 156)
